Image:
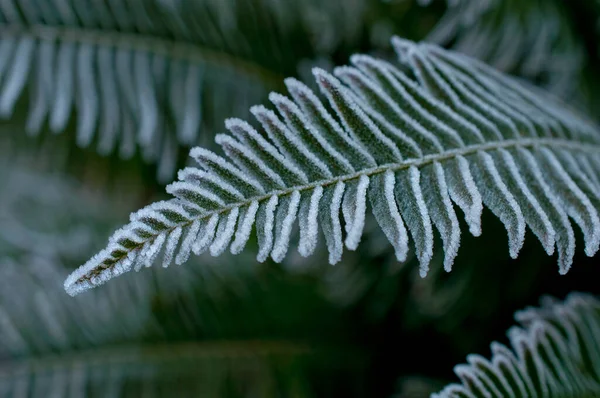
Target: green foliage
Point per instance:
(100, 100)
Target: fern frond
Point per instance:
(151, 74)
(459, 132)
(554, 353)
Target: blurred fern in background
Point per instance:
(100, 103)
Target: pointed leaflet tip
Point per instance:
(403, 48)
(358, 59)
(258, 110)
(341, 71)
(325, 79)
(295, 86)
(238, 127)
(277, 98)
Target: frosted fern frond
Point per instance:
(533, 39)
(457, 133)
(555, 353)
(151, 74)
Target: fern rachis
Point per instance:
(457, 132)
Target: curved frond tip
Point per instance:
(554, 353)
(452, 132)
